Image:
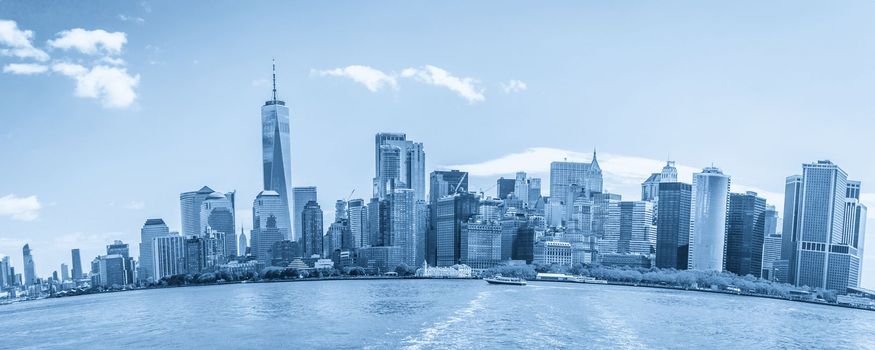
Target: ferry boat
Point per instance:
(515, 281)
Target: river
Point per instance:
(428, 314)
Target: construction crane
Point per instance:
(460, 183)
(350, 195)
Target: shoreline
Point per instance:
(373, 278)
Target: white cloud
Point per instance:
(514, 86)
(622, 174)
(112, 85)
(115, 61)
(90, 42)
(20, 208)
(465, 87)
(135, 205)
(18, 43)
(373, 79)
(24, 68)
(135, 19)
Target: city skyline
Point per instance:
(485, 167)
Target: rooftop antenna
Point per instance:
(274, 80)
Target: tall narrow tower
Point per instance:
(276, 152)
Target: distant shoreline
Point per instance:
(376, 278)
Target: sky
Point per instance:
(109, 110)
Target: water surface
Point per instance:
(428, 314)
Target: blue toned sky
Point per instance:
(109, 110)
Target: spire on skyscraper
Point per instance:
(274, 79)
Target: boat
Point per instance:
(514, 281)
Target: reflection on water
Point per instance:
(426, 314)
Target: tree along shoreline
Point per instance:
(688, 280)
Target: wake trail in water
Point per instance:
(429, 335)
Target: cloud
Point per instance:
(25, 68)
(115, 61)
(622, 174)
(514, 86)
(90, 42)
(112, 85)
(135, 19)
(465, 87)
(374, 79)
(18, 43)
(20, 208)
(135, 205)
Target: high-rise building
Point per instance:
(243, 243)
(312, 230)
(771, 241)
(267, 204)
(673, 225)
(358, 222)
(634, 232)
(400, 163)
(745, 234)
(29, 267)
(650, 187)
(480, 244)
(113, 270)
(263, 239)
(168, 255)
(707, 239)
(301, 195)
(402, 227)
(822, 258)
(190, 210)
(65, 272)
(564, 174)
(153, 228)
(77, 264)
(504, 187)
(790, 232)
(276, 153)
(5, 277)
(195, 255)
(120, 248)
(441, 183)
(854, 228)
(452, 211)
(217, 213)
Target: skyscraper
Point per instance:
(854, 228)
(673, 225)
(650, 187)
(771, 242)
(65, 272)
(452, 211)
(120, 248)
(77, 265)
(399, 164)
(480, 244)
(441, 183)
(358, 222)
(153, 228)
(113, 270)
(822, 259)
(270, 203)
(634, 233)
(504, 187)
(217, 213)
(242, 243)
(168, 255)
(5, 278)
(402, 228)
(745, 234)
(707, 239)
(190, 210)
(301, 195)
(563, 174)
(276, 154)
(29, 267)
(790, 231)
(311, 233)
